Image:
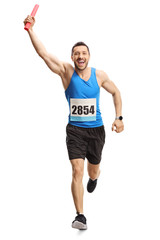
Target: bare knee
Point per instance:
(77, 171)
(93, 173)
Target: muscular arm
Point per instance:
(52, 62)
(110, 87)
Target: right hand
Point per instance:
(29, 19)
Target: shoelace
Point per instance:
(81, 218)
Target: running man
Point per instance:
(85, 130)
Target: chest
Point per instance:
(80, 88)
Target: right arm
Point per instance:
(52, 62)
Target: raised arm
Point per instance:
(52, 62)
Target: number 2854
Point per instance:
(82, 110)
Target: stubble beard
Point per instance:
(80, 69)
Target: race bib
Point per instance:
(83, 109)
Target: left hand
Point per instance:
(118, 126)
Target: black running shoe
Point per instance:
(91, 185)
(80, 222)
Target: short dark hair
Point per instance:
(79, 44)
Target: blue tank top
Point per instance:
(83, 100)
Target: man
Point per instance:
(85, 130)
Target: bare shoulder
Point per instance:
(68, 67)
(67, 74)
(69, 70)
(106, 83)
(101, 77)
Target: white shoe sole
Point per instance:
(79, 225)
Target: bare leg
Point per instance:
(77, 185)
(93, 171)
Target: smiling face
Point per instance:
(80, 57)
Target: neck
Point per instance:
(83, 73)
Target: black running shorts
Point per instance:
(85, 143)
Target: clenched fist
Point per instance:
(29, 19)
(118, 126)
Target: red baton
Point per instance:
(33, 13)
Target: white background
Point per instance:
(35, 173)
